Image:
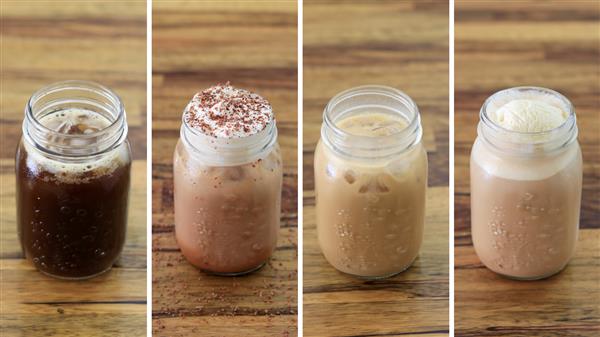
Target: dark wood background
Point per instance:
(42, 43)
(403, 44)
(196, 45)
(554, 44)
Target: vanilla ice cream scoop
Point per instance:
(529, 115)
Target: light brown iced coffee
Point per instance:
(227, 181)
(370, 208)
(526, 183)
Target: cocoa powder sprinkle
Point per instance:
(223, 111)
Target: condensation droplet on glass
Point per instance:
(401, 250)
(350, 176)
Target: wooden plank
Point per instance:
(555, 44)
(197, 45)
(403, 44)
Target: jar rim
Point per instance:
(73, 84)
(372, 147)
(371, 89)
(109, 137)
(221, 151)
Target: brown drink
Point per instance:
(227, 182)
(370, 183)
(72, 209)
(526, 187)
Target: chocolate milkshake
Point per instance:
(72, 173)
(370, 182)
(526, 183)
(227, 181)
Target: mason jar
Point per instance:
(370, 171)
(227, 199)
(72, 176)
(525, 190)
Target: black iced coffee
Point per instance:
(73, 173)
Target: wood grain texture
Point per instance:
(196, 45)
(403, 44)
(43, 43)
(554, 44)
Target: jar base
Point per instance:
(75, 278)
(534, 278)
(380, 277)
(234, 273)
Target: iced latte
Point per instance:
(370, 182)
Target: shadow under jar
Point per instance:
(73, 174)
(227, 193)
(525, 190)
(370, 182)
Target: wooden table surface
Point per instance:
(42, 44)
(197, 45)
(555, 44)
(403, 44)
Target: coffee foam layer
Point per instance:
(75, 122)
(521, 168)
(68, 172)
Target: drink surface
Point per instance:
(372, 124)
(75, 121)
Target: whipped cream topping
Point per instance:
(223, 111)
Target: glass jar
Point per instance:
(227, 199)
(72, 172)
(525, 191)
(370, 188)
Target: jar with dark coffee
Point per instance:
(73, 168)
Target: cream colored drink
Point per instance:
(370, 213)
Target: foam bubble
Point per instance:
(73, 122)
